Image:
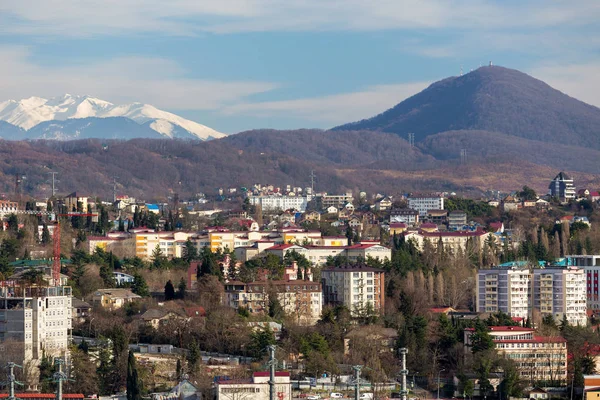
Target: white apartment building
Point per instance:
(335, 200)
(354, 286)
(516, 290)
(34, 321)
(280, 202)
(591, 266)
(318, 255)
(425, 203)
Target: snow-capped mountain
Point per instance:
(28, 113)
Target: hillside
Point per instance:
(493, 99)
(153, 168)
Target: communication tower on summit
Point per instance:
(411, 139)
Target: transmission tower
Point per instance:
(53, 182)
(272, 364)
(59, 377)
(411, 139)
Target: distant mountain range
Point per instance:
(512, 130)
(79, 117)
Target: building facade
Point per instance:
(457, 219)
(425, 203)
(280, 202)
(537, 358)
(35, 322)
(562, 187)
(255, 388)
(356, 286)
(591, 266)
(517, 290)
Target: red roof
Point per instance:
(459, 233)
(398, 225)
(266, 373)
(195, 311)
(505, 328)
(43, 395)
(281, 246)
(428, 225)
(536, 339)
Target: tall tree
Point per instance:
(169, 291)
(181, 289)
(134, 386)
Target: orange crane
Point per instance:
(56, 236)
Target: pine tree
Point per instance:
(169, 291)
(133, 382)
(45, 235)
(139, 286)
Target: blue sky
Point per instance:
(244, 64)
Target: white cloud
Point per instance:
(156, 81)
(185, 17)
(580, 81)
(333, 109)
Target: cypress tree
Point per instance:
(133, 382)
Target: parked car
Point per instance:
(335, 395)
(313, 397)
(366, 396)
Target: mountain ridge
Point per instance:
(494, 99)
(30, 112)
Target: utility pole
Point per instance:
(357, 369)
(59, 377)
(12, 380)
(403, 372)
(53, 182)
(115, 188)
(272, 363)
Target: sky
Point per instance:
(236, 65)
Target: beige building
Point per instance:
(355, 286)
(113, 298)
(538, 358)
(450, 240)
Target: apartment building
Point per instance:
(34, 322)
(280, 202)
(457, 219)
(300, 299)
(333, 200)
(516, 289)
(404, 215)
(356, 286)
(591, 266)
(562, 187)
(450, 240)
(318, 255)
(538, 358)
(425, 203)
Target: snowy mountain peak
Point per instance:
(27, 113)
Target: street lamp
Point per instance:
(438, 382)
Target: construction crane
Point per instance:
(56, 235)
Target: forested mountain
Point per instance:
(371, 161)
(494, 99)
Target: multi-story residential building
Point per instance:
(562, 187)
(113, 299)
(356, 286)
(256, 388)
(34, 322)
(280, 202)
(330, 200)
(72, 200)
(516, 289)
(8, 207)
(318, 255)
(300, 299)
(437, 217)
(405, 215)
(425, 203)
(457, 219)
(450, 240)
(537, 358)
(591, 266)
